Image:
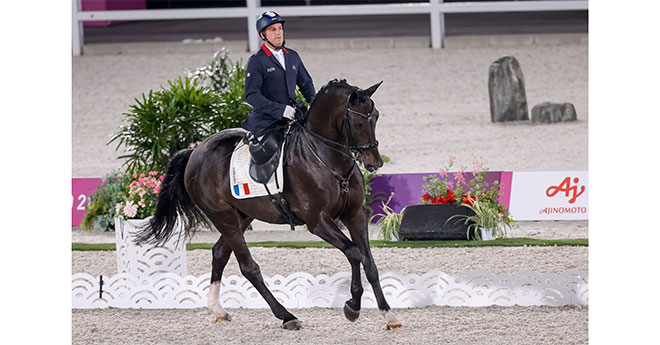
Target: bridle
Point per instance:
(357, 150)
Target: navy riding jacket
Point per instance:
(269, 88)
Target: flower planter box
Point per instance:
(432, 222)
(148, 261)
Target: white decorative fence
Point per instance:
(303, 290)
(149, 260)
(436, 9)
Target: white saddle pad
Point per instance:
(242, 185)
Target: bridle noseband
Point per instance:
(357, 150)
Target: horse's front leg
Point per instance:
(221, 253)
(357, 226)
(327, 230)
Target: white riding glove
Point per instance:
(289, 112)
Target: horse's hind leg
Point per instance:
(357, 226)
(228, 222)
(327, 230)
(221, 253)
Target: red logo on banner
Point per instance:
(565, 186)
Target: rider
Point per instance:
(271, 77)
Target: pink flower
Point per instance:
(130, 210)
(162, 177)
(118, 208)
(452, 159)
(153, 173)
(135, 175)
(157, 189)
(459, 178)
(443, 173)
(142, 175)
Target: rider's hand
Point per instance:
(289, 112)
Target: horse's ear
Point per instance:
(370, 91)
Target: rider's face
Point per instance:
(275, 34)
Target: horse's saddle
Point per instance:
(265, 154)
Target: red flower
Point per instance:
(450, 198)
(426, 197)
(469, 199)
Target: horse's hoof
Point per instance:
(223, 318)
(292, 325)
(393, 325)
(350, 313)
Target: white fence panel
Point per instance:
(303, 290)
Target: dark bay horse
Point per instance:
(322, 184)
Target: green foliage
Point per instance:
(191, 109)
(487, 215)
(101, 208)
(389, 223)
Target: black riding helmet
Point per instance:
(267, 19)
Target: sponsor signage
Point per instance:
(81, 189)
(549, 195)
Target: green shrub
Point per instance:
(191, 109)
(101, 207)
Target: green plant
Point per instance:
(489, 216)
(389, 223)
(163, 122)
(454, 188)
(100, 210)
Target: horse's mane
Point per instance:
(331, 85)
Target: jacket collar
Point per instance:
(268, 52)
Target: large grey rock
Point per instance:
(506, 88)
(553, 112)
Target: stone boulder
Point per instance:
(506, 88)
(553, 112)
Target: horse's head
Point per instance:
(360, 125)
(353, 116)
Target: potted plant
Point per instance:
(138, 204)
(489, 220)
(389, 222)
(447, 210)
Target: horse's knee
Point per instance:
(353, 254)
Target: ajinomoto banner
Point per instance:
(549, 195)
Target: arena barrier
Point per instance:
(436, 10)
(303, 290)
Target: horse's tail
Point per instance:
(173, 201)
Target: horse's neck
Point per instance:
(326, 124)
(333, 145)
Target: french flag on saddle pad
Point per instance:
(242, 189)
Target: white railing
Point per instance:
(435, 8)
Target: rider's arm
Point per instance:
(254, 77)
(305, 83)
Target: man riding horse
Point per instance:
(322, 181)
(272, 75)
